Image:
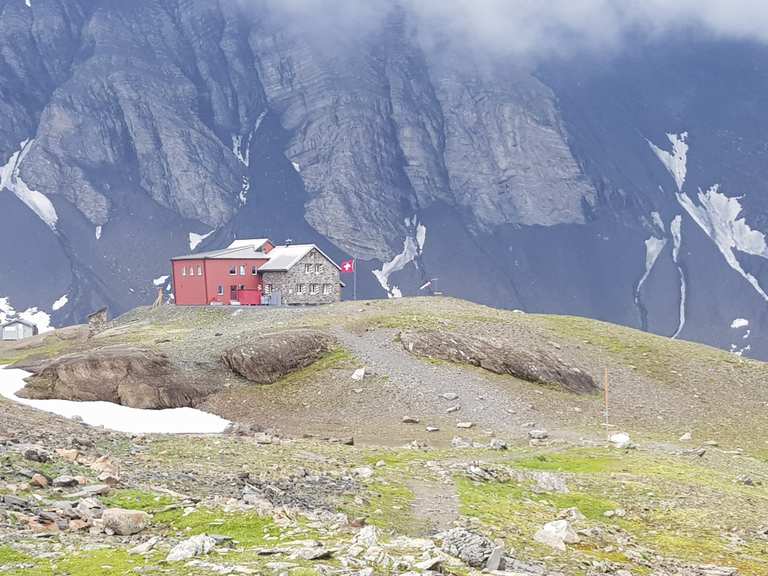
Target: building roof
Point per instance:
(256, 243)
(238, 252)
(283, 258)
(19, 321)
(279, 259)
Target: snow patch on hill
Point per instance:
(676, 162)
(35, 201)
(413, 245)
(676, 229)
(114, 416)
(718, 215)
(653, 247)
(60, 303)
(195, 239)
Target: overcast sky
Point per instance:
(537, 28)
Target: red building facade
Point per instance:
(222, 276)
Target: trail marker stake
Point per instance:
(605, 398)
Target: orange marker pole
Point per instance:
(605, 397)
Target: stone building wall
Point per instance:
(327, 281)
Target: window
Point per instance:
(267, 288)
(242, 269)
(233, 271)
(183, 270)
(307, 268)
(314, 288)
(220, 290)
(254, 270)
(301, 288)
(318, 268)
(199, 270)
(242, 286)
(327, 289)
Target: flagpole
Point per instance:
(354, 281)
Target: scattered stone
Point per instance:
(432, 429)
(36, 455)
(124, 522)
(686, 437)
(538, 434)
(312, 553)
(453, 409)
(431, 564)
(496, 559)
(90, 491)
(363, 472)
(108, 479)
(39, 481)
(70, 455)
(549, 482)
(572, 515)
(410, 420)
(465, 425)
(449, 396)
(196, 546)
(358, 374)
(747, 481)
(64, 482)
(497, 444)
(621, 440)
(459, 442)
(556, 534)
(368, 536)
(471, 548)
(712, 443)
(106, 464)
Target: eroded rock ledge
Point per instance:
(266, 359)
(126, 375)
(501, 358)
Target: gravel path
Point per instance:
(416, 386)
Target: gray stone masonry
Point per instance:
(304, 283)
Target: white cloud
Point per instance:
(529, 27)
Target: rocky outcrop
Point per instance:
(267, 359)
(499, 357)
(125, 375)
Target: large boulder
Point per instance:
(124, 522)
(126, 375)
(498, 357)
(268, 358)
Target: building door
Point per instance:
(233, 292)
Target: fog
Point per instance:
(528, 28)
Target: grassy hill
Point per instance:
(668, 506)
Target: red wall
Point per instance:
(188, 289)
(202, 290)
(217, 274)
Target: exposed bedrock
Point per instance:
(267, 359)
(125, 375)
(499, 357)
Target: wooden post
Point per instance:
(605, 398)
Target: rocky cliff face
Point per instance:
(128, 131)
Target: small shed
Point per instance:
(17, 329)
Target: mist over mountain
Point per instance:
(596, 158)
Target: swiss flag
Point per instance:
(348, 266)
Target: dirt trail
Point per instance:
(435, 503)
(416, 385)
